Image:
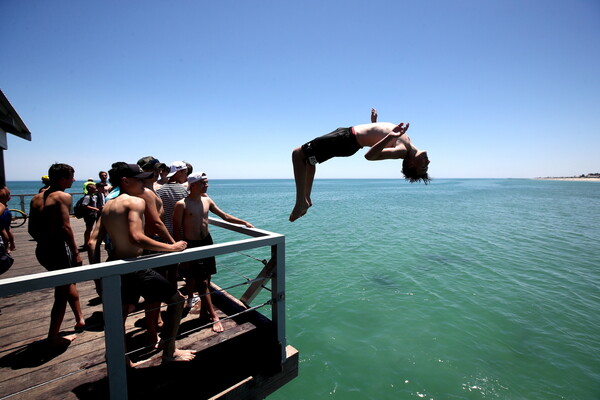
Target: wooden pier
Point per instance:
(243, 362)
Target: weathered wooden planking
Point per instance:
(27, 372)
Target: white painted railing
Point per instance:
(110, 274)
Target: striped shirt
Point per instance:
(170, 193)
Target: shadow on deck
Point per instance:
(243, 362)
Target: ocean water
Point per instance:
(462, 289)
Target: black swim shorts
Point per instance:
(339, 143)
(204, 268)
(149, 284)
(54, 255)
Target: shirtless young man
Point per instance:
(386, 141)
(56, 248)
(123, 220)
(155, 228)
(191, 217)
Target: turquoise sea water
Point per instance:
(463, 289)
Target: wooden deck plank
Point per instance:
(27, 371)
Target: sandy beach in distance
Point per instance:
(571, 179)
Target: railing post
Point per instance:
(278, 293)
(114, 337)
(22, 202)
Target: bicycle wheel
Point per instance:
(18, 218)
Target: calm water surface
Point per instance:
(463, 289)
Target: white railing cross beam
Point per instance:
(110, 273)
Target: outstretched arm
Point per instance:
(380, 151)
(373, 115)
(229, 218)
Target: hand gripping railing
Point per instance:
(110, 274)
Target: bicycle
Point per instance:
(18, 218)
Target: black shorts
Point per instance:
(149, 284)
(339, 143)
(204, 268)
(90, 219)
(55, 255)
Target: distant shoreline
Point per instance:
(571, 178)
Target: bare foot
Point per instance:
(180, 355)
(60, 341)
(79, 326)
(298, 211)
(217, 326)
(205, 318)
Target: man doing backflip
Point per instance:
(386, 141)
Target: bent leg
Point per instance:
(310, 177)
(304, 177)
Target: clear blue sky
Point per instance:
(491, 88)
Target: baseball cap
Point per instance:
(150, 162)
(195, 177)
(176, 166)
(134, 171)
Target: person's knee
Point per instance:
(62, 292)
(298, 154)
(204, 283)
(176, 299)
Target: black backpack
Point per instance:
(79, 210)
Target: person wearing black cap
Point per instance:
(123, 220)
(150, 163)
(156, 229)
